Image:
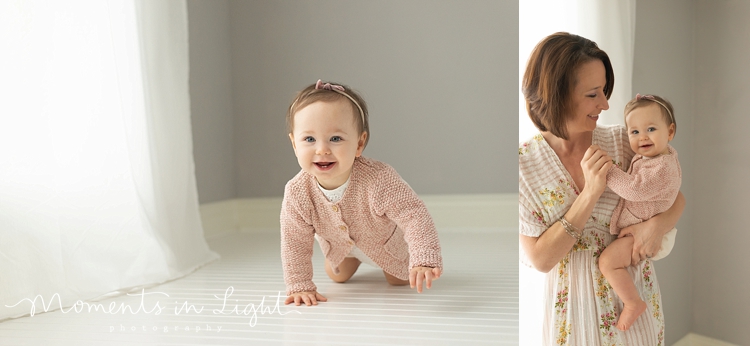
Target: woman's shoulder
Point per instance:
(535, 138)
(610, 135)
(537, 164)
(529, 148)
(610, 132)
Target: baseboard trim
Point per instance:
(473, 210)
(450, 213)
(693, 339)
(219, 218)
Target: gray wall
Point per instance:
(664, 65)
(695, 53)
(211, 99)
(722, 82)
(438, 76)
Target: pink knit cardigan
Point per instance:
(378, 212)
(648, 188)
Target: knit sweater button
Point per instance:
(335, 208)
(342, 227)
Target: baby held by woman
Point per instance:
(648, 188)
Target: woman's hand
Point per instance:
(309, 298)
(595, 165)
(649, 234)
(420, 275)
(646, 240)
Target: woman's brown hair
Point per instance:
(551, 75)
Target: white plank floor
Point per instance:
(474, 303)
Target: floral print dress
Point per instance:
(580, 306)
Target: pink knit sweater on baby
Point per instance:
(378, 212)
(648, 188)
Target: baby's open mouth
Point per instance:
(325, 165)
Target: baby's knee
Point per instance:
(346, 270)
(616, 255)
(605, 262)
(339, 280)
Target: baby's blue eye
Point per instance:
(651, 129)
(635, 132)
(336, 139)
(309, 139)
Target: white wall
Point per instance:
(211, 99)
(721, 265)
(664, 65)
(439, 77)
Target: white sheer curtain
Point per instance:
(611, 24)
(97, 183)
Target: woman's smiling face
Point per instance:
(587, 97)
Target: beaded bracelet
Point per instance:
(570, 229)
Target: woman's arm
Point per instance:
(548, 249)
(649, 234)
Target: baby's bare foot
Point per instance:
(630, 313)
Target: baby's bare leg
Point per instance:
(394, 280)
(613, 263)
(347, 268)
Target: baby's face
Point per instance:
(326, 141)
(648, 132)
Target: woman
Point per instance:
(564, 208)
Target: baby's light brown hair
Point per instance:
(667, 111)
(330, 92)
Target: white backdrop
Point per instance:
(97, 184)
(611, 24)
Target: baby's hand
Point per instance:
(309, 298)
(418, 275)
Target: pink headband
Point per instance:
(639, 97)
(339, 89)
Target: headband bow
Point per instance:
(339, 89)
(328, 86)
(639, 97)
